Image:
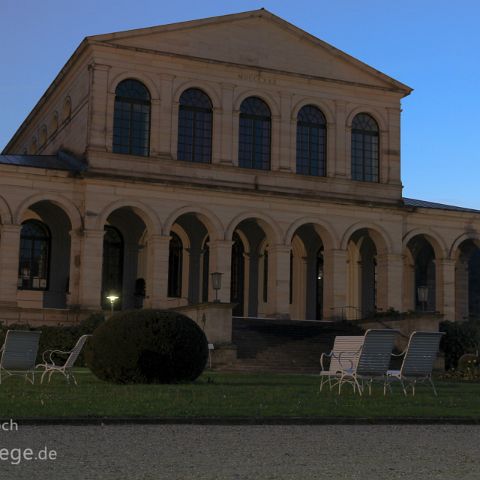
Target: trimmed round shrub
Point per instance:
(147, 346)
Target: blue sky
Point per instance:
(431, 45)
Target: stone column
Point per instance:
(155, 127)
(157, 271)
(445, 278)
(98, 106)
(279, 281)
(275, 143)
(9, 258)
(342, 165)
(91, 261)
(225, 128)
(220, 261)
(335, 284)
(286, 151)
(390, 281)
(74, 274)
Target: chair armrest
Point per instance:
(348, 360)
(50, 353)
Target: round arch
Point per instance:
(324, 230)
(453, 251)
(210, 220)
(135, 75)
(265, 96)
(148, 215)
(200, 85)
(380, 237)
(372, 111)
(316, 102)
(435, 240)
(6, 216)
(60, 201)
(270, 227)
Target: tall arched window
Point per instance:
(311, 141)
(175, 265)
(33, 267)
(365, 149)
(195, 127)
(131, 122)
(254, 134)
(112, 269)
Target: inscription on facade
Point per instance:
(257, 77)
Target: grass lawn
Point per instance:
(229, 395)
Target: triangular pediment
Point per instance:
(256, 39)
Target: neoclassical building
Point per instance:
(237, 144)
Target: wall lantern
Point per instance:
(422, 292)
(216, 284)
(112, 298)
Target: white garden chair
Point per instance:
(344, 354)
(418, 360)
(66, 369)
(372, 363)
(19, 353)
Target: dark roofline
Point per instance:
(415, 203)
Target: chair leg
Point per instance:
(358, 385)
(43, 375)
(433, 386)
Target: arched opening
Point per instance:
(250, 269)
(307, 274)
(422, 284)
(362, 279)
(189, 269)
(125, 259)
(44, 260)
(467, 280)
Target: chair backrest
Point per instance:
(376, 352)
(421, 353)
(346, 350)
(72, 358)
(20, 350)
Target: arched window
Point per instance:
(131, 122)
(195, 127)
(311, 141)
(112, 269)
(33, 268)
(254, 134)
(175, 265)
(365, 148)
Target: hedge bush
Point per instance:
(459, 338)
(148, 346)
(57, 337)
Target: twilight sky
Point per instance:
(431, 45)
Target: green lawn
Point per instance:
(229, 395)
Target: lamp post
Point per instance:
(112, 298)
(216, 284)
(422, 292)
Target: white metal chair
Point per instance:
(344, 354)
(418, 360)
(19, 353)
(372, 363)
(66, 369)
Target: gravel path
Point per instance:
(246, 452)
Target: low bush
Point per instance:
(460, 338)
(57, 337)
(148, 346)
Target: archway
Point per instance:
(467, 280)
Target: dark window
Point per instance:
(131, 122)
(254, 134)
(311, 141)
(33, 268)
(205, 269)
(265, 275)
(237, 275)
(175, 264)
(195, 127)
(365, 148)
(112, 270)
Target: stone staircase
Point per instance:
(283, 346)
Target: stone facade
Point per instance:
(304, 246)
